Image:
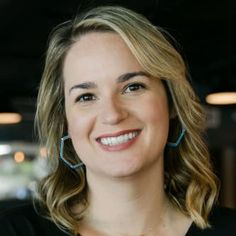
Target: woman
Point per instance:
(115, 105)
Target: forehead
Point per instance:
(99, 53)
(96, 44)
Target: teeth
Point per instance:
(119, 139)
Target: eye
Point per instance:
(87, 97)
(134, 87)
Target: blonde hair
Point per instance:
(191, 185)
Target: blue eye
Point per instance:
(134, 87)
(87, 97)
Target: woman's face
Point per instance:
(117, 115)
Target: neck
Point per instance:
(133, 205)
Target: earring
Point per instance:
(176, 144)
(75, 166)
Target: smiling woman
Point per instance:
(123, 129)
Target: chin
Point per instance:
(122, 171)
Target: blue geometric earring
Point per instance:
(75, 166)
(176, 144)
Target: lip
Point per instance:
(118, 147)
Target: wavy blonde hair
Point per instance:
(191, 184)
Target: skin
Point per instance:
(131, 176)
(101, 59)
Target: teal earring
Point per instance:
(75, 166)
(179, 139)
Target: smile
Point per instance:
(119, 141)
(111, 141)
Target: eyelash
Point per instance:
(84, 98)
(137, 86)
(88, 97)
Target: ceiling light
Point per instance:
(223, 98)
(19, 157)
(10, 118)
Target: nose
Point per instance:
(113, 112)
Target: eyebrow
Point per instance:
(122, 78)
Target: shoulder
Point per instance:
(222, 221)
(24, 220)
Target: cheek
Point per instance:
(75, 127)
(78, 129)
(156, 111)
(79, 126)
(161, 115)
(156, 117)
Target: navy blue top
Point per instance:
(24, 221)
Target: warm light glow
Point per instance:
(221, 98)
(19, 157)
(43, 152)
(5, 149)
(10, 118)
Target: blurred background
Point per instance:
(206, 31)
